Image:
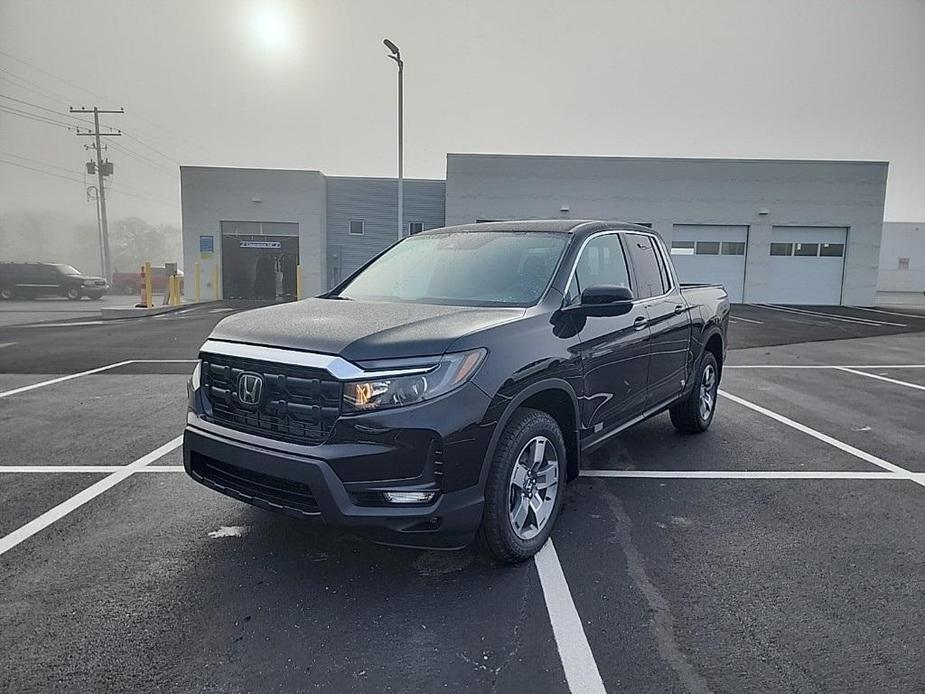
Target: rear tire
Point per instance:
(6, 293)
(694, 414)
(525, 487)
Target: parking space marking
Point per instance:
(578, 662)
(881, 378)
(825, 438)
(7, 344)
(889, 313)
(823, 366)
(61, 510)
(61, 379)
(830, 316)
(747, 320)
(751, 474)
(63, 469)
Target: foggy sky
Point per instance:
(219, 83)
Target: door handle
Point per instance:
(640, 322)
(678, 309)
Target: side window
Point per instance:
(646, 266)
(602, 262)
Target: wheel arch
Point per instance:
(556, 398)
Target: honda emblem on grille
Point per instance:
(250, 389)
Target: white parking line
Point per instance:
(747, 320)
(61, 379)
(578, 662)
(830, 316)
(881, 378)
(750, 474)
(98, 469)
(823, 366)
(825, 438)
(889, 313)
(58, 512)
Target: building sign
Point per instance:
(261, 244)
(206, 246)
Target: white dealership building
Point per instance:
(772, 231)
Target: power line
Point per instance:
(36, 161)
(57, 77)
(36, 117)
(47, 173)
(145, 160)
(49, 110)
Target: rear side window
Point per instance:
(645, 265)
(602, 262)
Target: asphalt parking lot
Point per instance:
(781, 551)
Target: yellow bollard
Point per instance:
(149, 302)
(298, 282)
(198, 288)
(215, 282)
(175, 291)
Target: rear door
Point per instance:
(614, 349)
(667, 313)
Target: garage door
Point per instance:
(807, 264)
(704, 253)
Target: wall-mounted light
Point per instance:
(764, 211)
(256, 199)
(564, 208)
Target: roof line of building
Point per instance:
(579, 157)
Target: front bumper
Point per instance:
(437, 446)
(306, 487)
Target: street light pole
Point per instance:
(396, 56)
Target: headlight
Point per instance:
(394, 391)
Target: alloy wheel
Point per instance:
(534, 487)
(707, 392)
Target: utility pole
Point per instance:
(100, 172)
(396, 56)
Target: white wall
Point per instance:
(210, 195)
(902, 240)
(665, 192)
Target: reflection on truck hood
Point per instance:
(360, 330)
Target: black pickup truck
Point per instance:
(447, 390)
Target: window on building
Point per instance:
(806, 249)
(903, 263)
(707, 248)
(733, 248)
(781, 249)
(831, 250)
(682, 248)
(415, 227)
(357, 227)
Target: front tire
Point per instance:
(525, 487)
(694, 414)
(6, 293)
(72, 293)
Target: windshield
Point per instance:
(68, 269)
(470, 268)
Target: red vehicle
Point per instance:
(130, 282)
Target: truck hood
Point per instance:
(360, 330)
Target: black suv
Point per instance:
(30, 280)
(449, 388)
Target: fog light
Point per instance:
(408, 497)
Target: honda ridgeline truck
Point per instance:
(447, 390)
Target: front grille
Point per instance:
(255, 487)
(297, 404)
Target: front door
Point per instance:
(614, 349)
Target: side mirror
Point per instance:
(605, 300)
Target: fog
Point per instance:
(308, 85)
